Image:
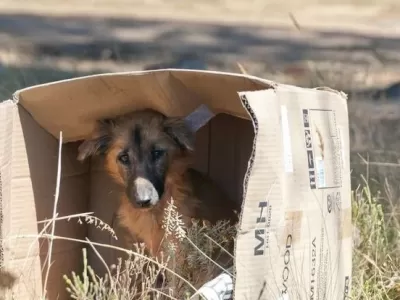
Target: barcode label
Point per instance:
(320, 172)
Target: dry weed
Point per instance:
(376, 259)
(192, 253)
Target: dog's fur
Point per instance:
(159, 150)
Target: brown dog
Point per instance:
(150, 155)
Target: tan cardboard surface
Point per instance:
(295, 235)
(278, 174)
(73, 105)
(29, 276)
(17, 208)
(28, 176)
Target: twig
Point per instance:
(104, 263)
(48, 236)
(241, 68)
(295, 23)
(66, 217)
(162, 293)
(209, 258)
(383, 164)
(54, 211)
(33, 243)
(220, 246)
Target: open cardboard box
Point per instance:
(293, 175)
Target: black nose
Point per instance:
(143, 203)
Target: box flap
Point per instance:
(16, 213)
(7, 109)
(73, 105)
(295, 235)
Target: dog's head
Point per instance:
(139, 149)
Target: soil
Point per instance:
(306, 43)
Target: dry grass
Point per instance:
(137, 277)
(376, 258)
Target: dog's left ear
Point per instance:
(183, 130)
(99, 142)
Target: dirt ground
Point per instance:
(347, 46)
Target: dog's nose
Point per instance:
(145, 193)
(143, 203)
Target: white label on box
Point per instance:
(320, 165)
(287, 146)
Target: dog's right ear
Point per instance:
(99, 142)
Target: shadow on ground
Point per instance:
(146, 42)
(12, 79)
(139, 40)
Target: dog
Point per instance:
(150, 156)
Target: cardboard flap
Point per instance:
(295, 232)
(294, 238)
(7, 111)
(17, 216)
(73, 105)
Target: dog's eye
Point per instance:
(124, 158)
(156, 154)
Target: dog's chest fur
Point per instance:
(147, 225)
(195, 197)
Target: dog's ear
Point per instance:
(99, 142)
(176, 128)
(183, 130)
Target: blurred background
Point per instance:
(353, 46)
(350, 45)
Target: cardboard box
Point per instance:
(284, 150)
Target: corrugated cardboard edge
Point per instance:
(6, 137)
(249, 110)
(8, 120)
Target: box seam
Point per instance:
(250, 163)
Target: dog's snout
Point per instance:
(146, 193)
